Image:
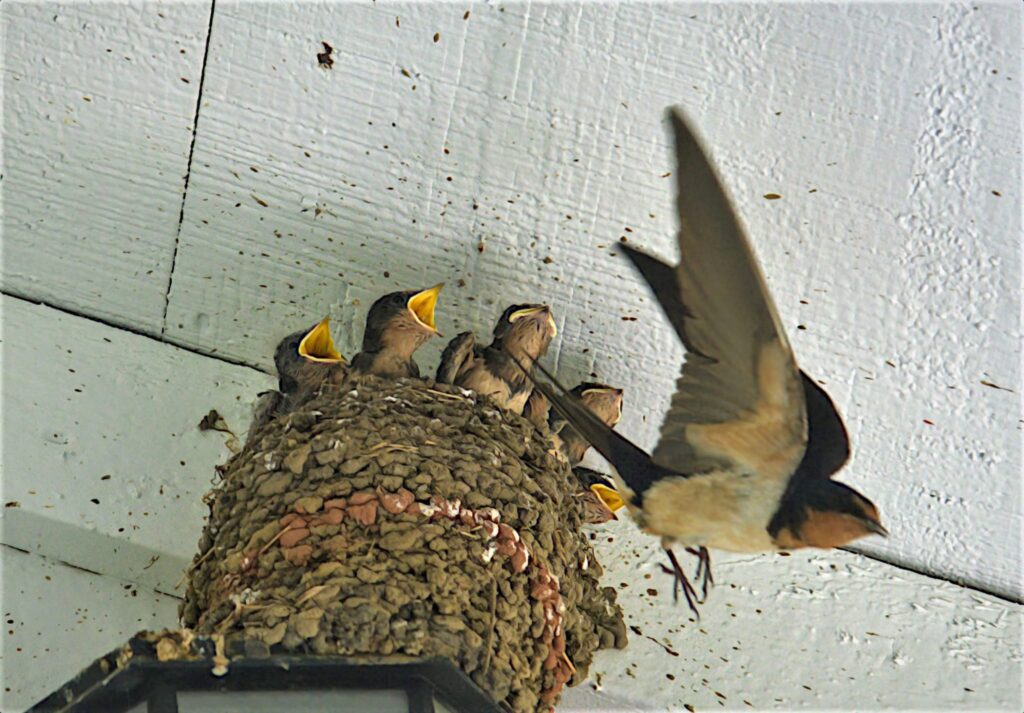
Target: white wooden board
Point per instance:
(99, 107)
(533, 132)
(104, 464)
(813, 631)
(835, 631)
(58, 620)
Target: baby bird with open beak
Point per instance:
(396, 326)
(598, 496)
(306, 362)
(522, 335)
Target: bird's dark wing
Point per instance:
(739, 397)
(589, 476)
(828, 446)
(455, 356)
(632, 464)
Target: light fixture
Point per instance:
(132, 679)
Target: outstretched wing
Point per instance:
(739, 398)
(455, 357)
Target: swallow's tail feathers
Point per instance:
(663, 281)
(631, 462)
(455, 357)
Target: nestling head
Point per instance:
(525, 330)
(401, 321)
(305, 354)
(605, 401)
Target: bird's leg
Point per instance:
(703, 566)
(681, 580)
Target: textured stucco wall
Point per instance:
(191, 174)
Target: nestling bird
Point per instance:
(604, 401)
(521, 335)
(396, 326)
(750, 442)
(599, 498)
(537, 409)
(306, 361)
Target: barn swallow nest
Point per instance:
(407, 519)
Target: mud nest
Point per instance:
(407, 519)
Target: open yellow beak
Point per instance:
(609, 496)
(318, 346)
(422, 305)
(520, 313)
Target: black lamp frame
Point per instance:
(106, 687)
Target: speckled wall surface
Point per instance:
(196, 175)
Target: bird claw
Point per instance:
(681, 581)
(703, 568)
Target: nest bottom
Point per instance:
(404, 518)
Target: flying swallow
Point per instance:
(521, 335)
(306, 361)
(396, 326)
(750, 442)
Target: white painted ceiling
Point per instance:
(191, 173)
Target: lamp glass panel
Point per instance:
(339, 701)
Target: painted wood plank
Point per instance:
(58, 620)
(104, 464)
(814, 631)
(511, 154)
(99, 106)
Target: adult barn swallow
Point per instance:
(604, 401)
(396, 326)
(750, 442)
(306, 361)
(522, 334)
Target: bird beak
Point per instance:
(875, 528)
(422, 306)
(609, 496)
(529, 311)
(318, 346)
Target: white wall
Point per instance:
(891, 132)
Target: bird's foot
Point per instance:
(681, 582)
(703, 572)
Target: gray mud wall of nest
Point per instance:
(406, 519)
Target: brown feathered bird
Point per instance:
(604, 401)
(396, 326)
(598, 496)
(750, 442)
(522, 334)
(306, 362)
